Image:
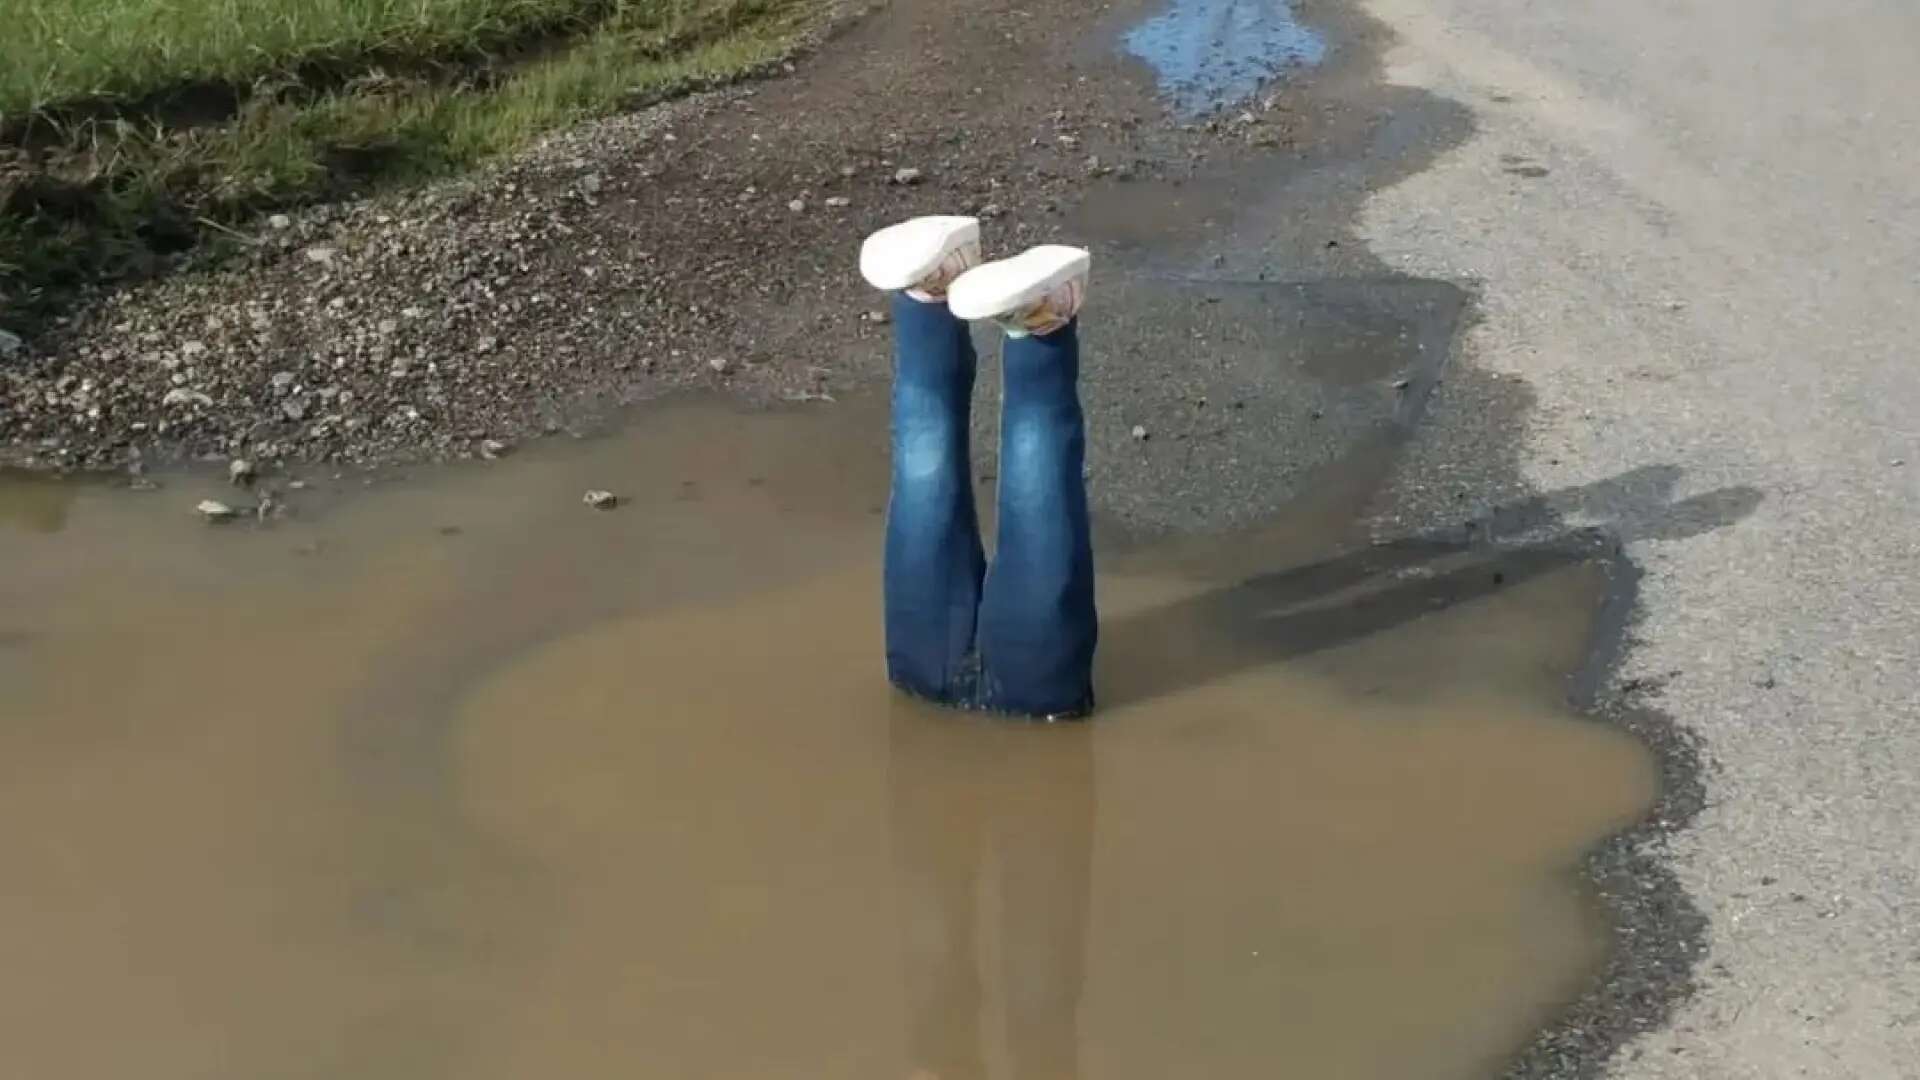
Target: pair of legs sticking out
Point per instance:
(1015, 636)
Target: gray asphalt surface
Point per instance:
(1696, 235)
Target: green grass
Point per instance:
(316, 96)
(60, 51)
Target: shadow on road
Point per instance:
(1333, 601)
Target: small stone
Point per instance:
(797, 206)
(1402, 384)
(879, 316)
(847, 171)
(192, 349)
(322, 255)
(280, 222)
(1067, 142)
(214, 510)
(1140, 432)
(591, 183)
(1897, 462)
(240, 472)
(721, 364)
(992, 210)
(294, 411)
(180, 395)
(907, 176)
(601, 500)
(282, 381)
(839, 202)
(493, 448)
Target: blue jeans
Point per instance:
(1016, 637)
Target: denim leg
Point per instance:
(1037, 621)
(933, 558)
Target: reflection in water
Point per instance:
(996, 820)
(34, 503)
(1211, 53)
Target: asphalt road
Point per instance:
(1696, 233)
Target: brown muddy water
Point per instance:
(452, 776)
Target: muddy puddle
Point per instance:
(452, 776)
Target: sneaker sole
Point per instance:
(994, 289)
(903, 255)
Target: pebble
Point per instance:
(797, 205)
(1140, 432)
(214, 510)
(721, 364)
(839, 202)
(879, 316)
(493, 448)
(280, 222)
(600, 500)
(908, 176)
(321, 255)
(180, 395)
(240, 472)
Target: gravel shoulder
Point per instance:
(705, 242)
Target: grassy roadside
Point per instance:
(132, 129)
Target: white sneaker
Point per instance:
(922, 255)
(1036, 292)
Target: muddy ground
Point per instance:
(710, 243)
